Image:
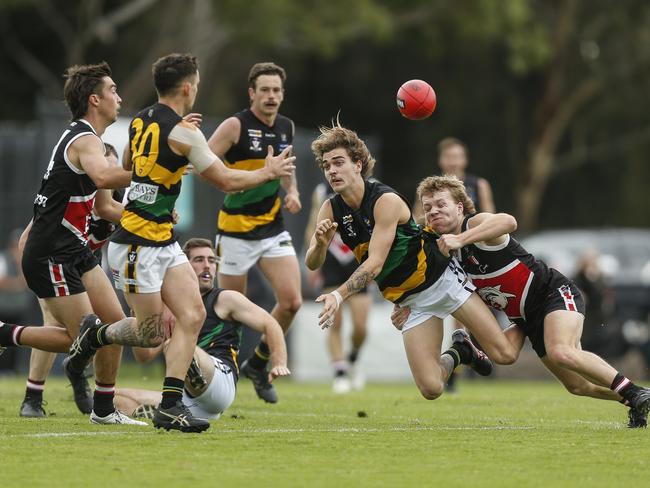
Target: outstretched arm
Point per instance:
(493, 229)
(233, 305)
(189, 141)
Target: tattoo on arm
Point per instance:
(127, 332)
(358, 281)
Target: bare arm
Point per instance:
(107, 208)
(290, 186)
(493, 229)
(127, 162)
(485, 196)
(225, 136)
(87, 153)
(321, 238)
(187, 140)
(235, 306)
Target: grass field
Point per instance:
(491, 433)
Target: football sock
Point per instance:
(340, 368)
(353, 356)
(98, 340)
(172, 391)
(261, 356)
(34, 389)
(624, 387)
(10, 334)
(103, 399)
(460, 352)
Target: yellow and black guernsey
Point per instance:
(155, 181)
(219, 337)
(414, 262)
(255, 213)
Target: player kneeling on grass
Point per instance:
(376, 223)
(210, 381)
(544, 305)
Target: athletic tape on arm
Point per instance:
(200, 154)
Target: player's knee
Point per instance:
(193, 317)
(504, 356)
(562, 355)
(291, 305)
(431, 390)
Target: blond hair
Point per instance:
(456, 188)
(335, 137)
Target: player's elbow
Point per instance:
(509, 222)
(101, 181)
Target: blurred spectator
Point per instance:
(599, 335)
(453, 158)
(15, 297)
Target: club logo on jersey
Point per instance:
(482, 268)
(494, 297)
(283, 137)
(143, 192)
(255, 145)
(254, 133)
(347, 225)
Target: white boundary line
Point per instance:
(217, 430)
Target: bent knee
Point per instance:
(290, 305)
(564, 356)
(431, 391)
(193, 317)
(505, 356)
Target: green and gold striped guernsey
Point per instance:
(155, 181)
(219, 337)
(414, 262)
(255, 213)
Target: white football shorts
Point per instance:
(444, 297)
(237, 256)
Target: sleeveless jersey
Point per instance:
(64, 202)
(254, 214)
(506, 276)
(414, 262)
(218, 337)
(155, 181)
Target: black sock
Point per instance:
(624, 387)
(261, 356)
(172, 391)
(460, 352)
(10, 335)
(100, 338)
(34, 390)
(103, 399)
(353, 356)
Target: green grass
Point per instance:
(492, 433)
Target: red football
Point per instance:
(416, 100)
